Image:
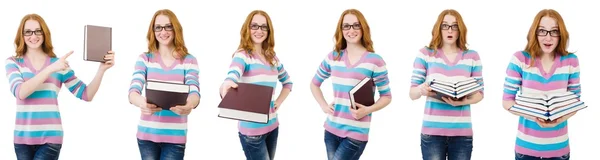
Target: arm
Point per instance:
(419, 74)
(237, 68)
(76, 86)
(92, 89)
(574, 84)
(19, 88)
(137, 82)
(380, 77)
(323, 73)
(192, 78)
(286, 81)
(512, 84)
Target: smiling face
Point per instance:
(449, 29)
(548, 34)
(33, 34)
(163, 29)
(351, 29)
(259, 29)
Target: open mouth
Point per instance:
(547, 45)
(450, 37)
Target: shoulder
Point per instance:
(472, 54)
(522, 56)
(240, 53)
(426, 51)
(571, 58)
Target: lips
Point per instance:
(450, 37)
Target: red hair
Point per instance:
(177, 29)
(436, 33)
(533, 46)
(21, 47)
(268, 45)
(365, 40)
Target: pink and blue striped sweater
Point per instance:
(344, 76)
(532, 139)
(164, 126)
(441, 118)
(38, 118)
(256, 70)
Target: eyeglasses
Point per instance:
(553, 33)
(158, 28)
(355, 26)
(261, 27)
(36, 32)
(454, 27)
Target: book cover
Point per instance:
(97, 42)
(363, 92)
(166, 95)
(247, 102)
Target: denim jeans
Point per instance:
(48, 151)
(453, 147)
(260, 147)
(160, 151)
(519, 156)
(339, 148)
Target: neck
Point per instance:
(547, 56)
(450, 48)
(355, 48)
(35, 52)
(166, 50)
(258, 48)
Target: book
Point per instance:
(548, 106)
(248, 102)
(97, 42)
(166, 95)
(455, 89)
(363, 93)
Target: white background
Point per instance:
(106, 127)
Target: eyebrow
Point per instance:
(350, 23)
(164, 24)
(258, 24)
(33, 29)
(447, 22)
(553, 27)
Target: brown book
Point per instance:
(166, 95)
(97, 42)
(247, 102)
(363, 93)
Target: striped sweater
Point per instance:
(441, 118)
(38, 118)
(254, 70)
(344, 76)
(164, 126)
(563, 76)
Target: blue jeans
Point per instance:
(339, 148)
(48, 151)
(439, 147)
(160, 151)
(261, 147)
(519, 156)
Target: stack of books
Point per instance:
(548, 106)
(455, 89)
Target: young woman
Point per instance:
(544, 66)
(162, 133)
(353, 59)
(255, 62)
(36, 75)
(446, 130)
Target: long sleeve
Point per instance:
(419, 72)
(323, 72)
(477, 70)
(574, 85)
(75, 85)
(284, 77)
(380, 77)
(139, 75)
(14, 76)
(513, 79)
(237, 67)
(192, 75)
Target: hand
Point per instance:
(327, 109)
(61, 64)
(453, 102)
(149, 109)
(359, 112)
(226, 86)
(425, 90)
(546, 124)
(110, 61)
(276, 106)
(182, 109)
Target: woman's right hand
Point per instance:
(147, 108)
(425, 90)
(327, 109)
(60, 64)
(226, 86)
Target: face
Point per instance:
(33, 34)
(449, 29)
(351, 29)
(259, 29)
(163, 30)
(548, 34)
